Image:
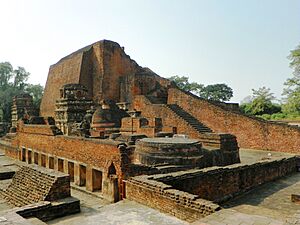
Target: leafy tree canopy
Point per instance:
(292, 85)
(295, 60)
(216, 92)
(261, 103)
(184, 84)
(14, 82)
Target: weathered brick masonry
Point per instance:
(108, 73)
(31, 185)
(38, 144)
(152, 106)
(219, 184)
(105, 70)
(189, 195)
(251, 132)
(163, 197)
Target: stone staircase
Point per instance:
(196, 124)
(28, 186)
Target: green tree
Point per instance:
(295, 60)
(216, 92)
(292, 85)
(261, 103)
(6, 97)
(20, 76)
(6, 73)
(184, 84)
(14, 82)
(36, 91)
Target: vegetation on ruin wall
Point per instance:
(14, 82)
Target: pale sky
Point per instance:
(243, 43)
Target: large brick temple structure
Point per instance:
(107, 73)
(121, 130)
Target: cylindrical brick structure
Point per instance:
(175, 151)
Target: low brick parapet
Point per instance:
(195, 193)
(163, 197)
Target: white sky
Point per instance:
(241, 43)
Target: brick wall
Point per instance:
(96, 153)
(219, 184)
(64, 72)
(163, 197)
(192, 194)
(103, 67)
(93, 153)
(38, 129)
(9, 150)
(250, 132)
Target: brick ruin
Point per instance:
(192, 194)
(26, 187)
(107, 73)
(38, 192)
(123, 131)
(22, 108)
(71, 107)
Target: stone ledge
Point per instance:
(46, 211)
(6, 173)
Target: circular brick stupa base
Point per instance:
(175, 151)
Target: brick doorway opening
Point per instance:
(96, 180)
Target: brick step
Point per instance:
(32, 196)
(28, 186)
(192, 121)
(24, 191)
(34, 179)
(31, 185)
(16, 200)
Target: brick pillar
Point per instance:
(20, 154)
(23, 155)
(110, 188)
(55, 163)
(26, 155)
(47, 161)
(66, 168)
(89, 178)
(40, 159)
(79, 174)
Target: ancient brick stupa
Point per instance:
(106, 117)
(107, 73)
